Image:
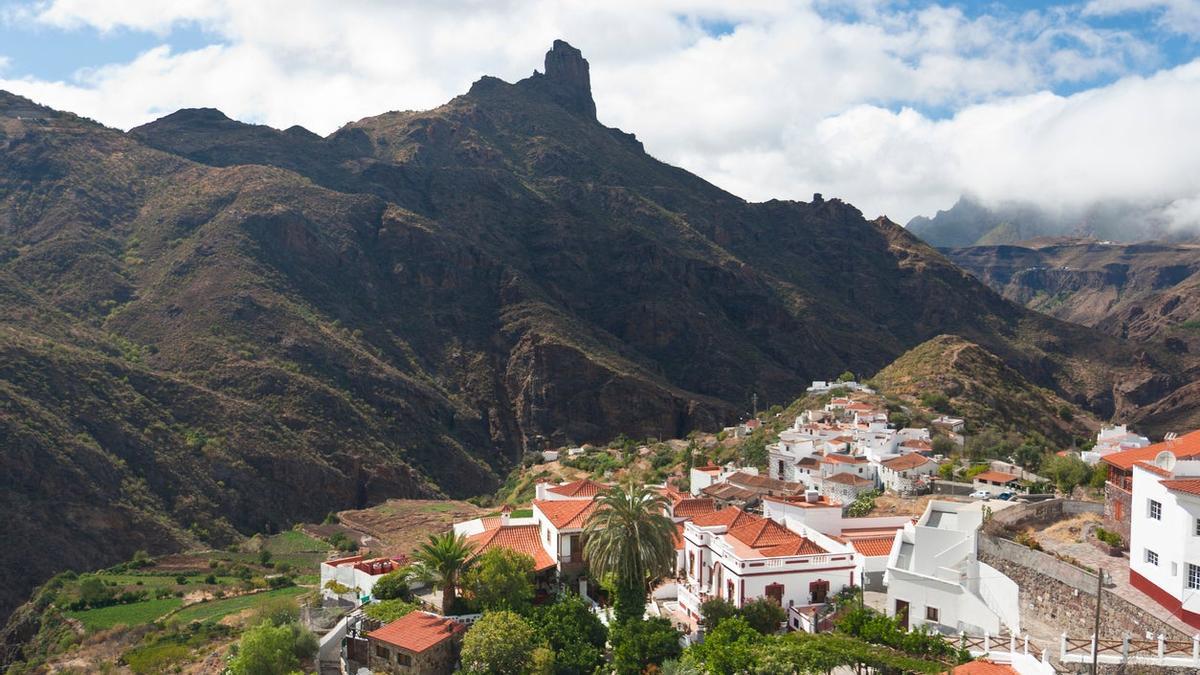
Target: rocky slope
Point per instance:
(210, 327)
(1143, 292)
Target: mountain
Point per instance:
(211, 328)
(982, 389)
(971, 222)
(1144, 292)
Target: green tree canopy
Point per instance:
(715, 610)
(731, 647)
(638, 644)
(267, 649)
(629, 537)
(1065, 472)
(388, 611)
(393, 586)
(499, 643)
(764, 615)
(574, 632)
(501, 578)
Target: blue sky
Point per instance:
(899, 106)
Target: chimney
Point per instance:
(812, 496)
(540, 490)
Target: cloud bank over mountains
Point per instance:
(896, 107)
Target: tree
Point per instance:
(393, 586)
(443, 560)
(936, 400)
(846, 377)
(92, 591)
(501, 579)
(944, 446)
(276, 611)
(268, 649)
(637, 644)
(715, 610)
(629, 537)
(574, 632)
(946, 471)
(388, 611)
(501, 643)
(1029, 456)
(1065, 472)
(764, 615)
(731, 647)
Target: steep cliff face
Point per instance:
(1143, 292)
(216, 327)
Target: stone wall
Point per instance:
(1117, 503)
(1063, 595)
(946, 487)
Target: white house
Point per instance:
(740, 557)
(1164, 534)
(935, 578)
(905, 474)
(997, 482)
(825, 386)
(701, 477)
(356, 573)
(845, 487)
(953, 425)
(1110, 439)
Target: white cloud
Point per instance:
(1176, 16)
(792, 101)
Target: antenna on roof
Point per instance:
(1165, 460)
(1171, 435)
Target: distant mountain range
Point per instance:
(209, 327)
(970, 222)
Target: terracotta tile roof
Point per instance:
(1154, 469)
(753, 482)
(808, 461)
(872, 546)
(690, 508)
(417, 631)
(849, 479)
(730, 517)
(985, 668)
(727, 492)
(801, 546)
(1186, 446)
(566, 513)
(917, 443)
(519, 538)
(584, 487)
(762, 532)
(837, 458)
(997, 476)
(905, 462)
(709, 468)
(1189, 485)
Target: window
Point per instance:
(1193, 578)
(691, 564)
(403, 659)
(1155, 510)
(1198, 527)
(1151, 557)
(729, 590)
(382, 652)
(932, 614)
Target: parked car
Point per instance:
(1005, 496)
(980, 494)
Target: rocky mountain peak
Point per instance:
(567, 79)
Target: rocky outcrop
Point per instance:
(567, 80)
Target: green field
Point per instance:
(294, 541)
(160, 580)
(215, 610)
(133, 614)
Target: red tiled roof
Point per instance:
(822, 502)
(565, 513)
(519, 538)
(1189, 485)
(800, 546)
(872, 546)
(917, 443)
(709, 468)
(584, 487)
(985, 668)
(849, 479)
(1154, 469)
(690, 508)
(417, 631)
(844, 459)
(997, 476)
(905, 462)
(730, 518)
(1186, 446)
(761, 533)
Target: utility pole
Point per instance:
(1096, 625)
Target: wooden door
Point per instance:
(902, 613)
(774, 592)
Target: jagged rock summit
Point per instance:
(567, 80)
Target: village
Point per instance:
(851, 518)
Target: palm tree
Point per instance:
(629, 537)
(443, 560)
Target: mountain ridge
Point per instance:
(405, 306)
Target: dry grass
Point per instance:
(400, 525)
(1069, 531)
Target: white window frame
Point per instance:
(1154, 510)
(1151, 557)
(1193, 577)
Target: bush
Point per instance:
(715, 610)
(393, 586)
(1109, 537)
(501, 579)
(267, 649)
(501, 643)
(276, 611)
(572, 630)
(638, 644)
(731, 647)
(862, 504)
(764, 615)
(388, 611)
